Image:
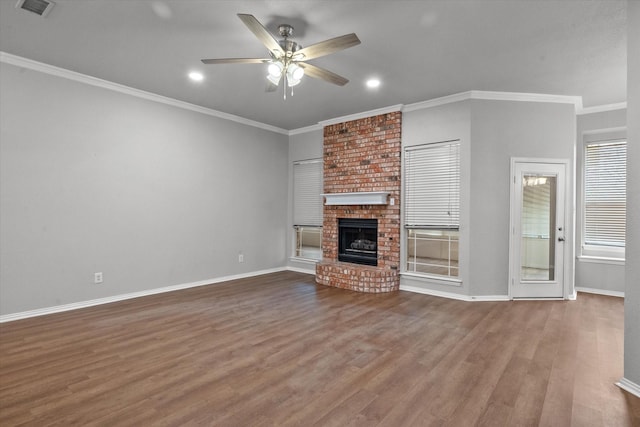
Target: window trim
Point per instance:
(588, 252)
(294, 226)
(430, 277)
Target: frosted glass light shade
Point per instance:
(274, 79)
(275, 69)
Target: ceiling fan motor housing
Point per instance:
(285, 30)
(289, 47)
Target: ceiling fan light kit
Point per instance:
(286, 61)
(275, 69)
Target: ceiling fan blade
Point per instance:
(261, 33)
(321, 73)
(236, 61)
(328, 46)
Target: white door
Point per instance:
(537, 229)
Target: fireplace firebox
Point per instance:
(358, 241)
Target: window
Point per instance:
(604, 221)
(432, 208)
(307, 209)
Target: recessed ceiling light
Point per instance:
(196, 76)
(373, 83)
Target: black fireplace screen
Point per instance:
(357, 241)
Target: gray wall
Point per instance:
(491, 133)
(595, 274)
(151, 195)
(501, 130)
(632, 270)
(302, 146)
(436, 124)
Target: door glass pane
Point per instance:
(537, 247)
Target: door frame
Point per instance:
(568, 224)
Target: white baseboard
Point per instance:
(600, 292)
(302, 270)
(629, 386)
(121, 297)
(452, 295)
(489, 298)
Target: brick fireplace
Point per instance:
(363, 157)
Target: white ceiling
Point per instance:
(419, 49)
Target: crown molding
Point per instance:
(527, 97)
(306, 129)
(363, 115)
(19, 61)
(435, 102)
(495, 96)
(449, 99)
(602, 108)
(30, 64)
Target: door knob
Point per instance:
(560, 239)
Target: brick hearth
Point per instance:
(363, 156)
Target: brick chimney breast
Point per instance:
(363, 155)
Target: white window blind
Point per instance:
(605, 207)
(432, 186)
(307, 193)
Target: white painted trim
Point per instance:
(301, 270)
(431, 279)
(495, 96)
(602, 108)
(604, 134)
(527, 97)
(361, 198)
(600, 292)
(363, 115)
(629, 386)
(121, 297)
(307, 129)
(600, 260)
(304, 260)
(419, 290)
(514, 222)
(449, 99)
(19, 61)
(451, 295)
(490, 298)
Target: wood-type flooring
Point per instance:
(280, 350)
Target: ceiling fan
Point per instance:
(286, 57)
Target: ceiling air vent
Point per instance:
(39, 7)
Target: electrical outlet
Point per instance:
(240, 257)
(97, 278)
